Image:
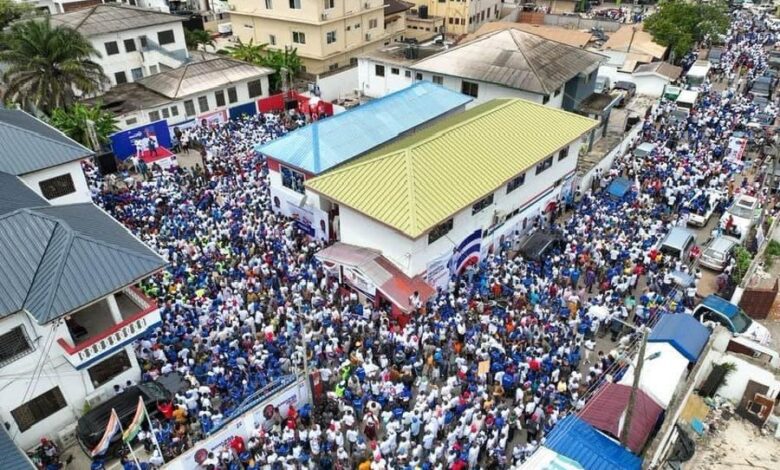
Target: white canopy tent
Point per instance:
(662, 371)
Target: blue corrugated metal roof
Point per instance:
(325, 144)
(721, 305)
(683, 332)
(12, 457)
(578, 441)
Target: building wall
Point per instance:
(148, 61)
(135, 118)
(413, 256)
(462, 17)
(82, 193)
(375, 86)
(651, 85)
(577, 89)
(423, 29)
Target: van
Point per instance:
(738, 219)
(719, 310)
(716, 254)
(677, 244)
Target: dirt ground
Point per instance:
(738, 446)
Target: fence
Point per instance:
(576, 22)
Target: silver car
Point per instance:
(716, 254)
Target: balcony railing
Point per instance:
(86, 353)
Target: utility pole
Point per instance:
(635, 386)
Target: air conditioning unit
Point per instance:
(67, 437)
(97, 397)
(368, 36)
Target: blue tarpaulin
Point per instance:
(577, 440)
(683, 332)
(249, 109)
(619, 187)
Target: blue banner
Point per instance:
(137, 140)
(249, 109)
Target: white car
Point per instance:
(701, 206)
(740, 217)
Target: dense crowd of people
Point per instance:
(245, 303)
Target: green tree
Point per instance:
(73, 122)
(248, 52)
(12, 10)
(279, 59)
(198, 37)
(46, 65)
(680, 25)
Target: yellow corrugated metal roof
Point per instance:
(420, 181)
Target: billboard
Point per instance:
(129, 142)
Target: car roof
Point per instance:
(721, 305)
(677, 237)
(721, 244)
(623, 83)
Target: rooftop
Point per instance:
(665, 69)
(572, 37)
(60, 258)
(417, 182)
(31, 145)
(330, 142)
(597, 103)
(403, 54)
(396, 6)
(515, 59)
(631, 38)
(108, 18)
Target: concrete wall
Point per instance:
(82, 193)
(575, 22)
(577, 89)
(605, 164)
(339, 84)
(651, 85)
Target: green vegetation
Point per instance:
(744, 259)
(772, 250)
(198, 37)
(73, 122)
(276, 59)
(680, 25)
(247, 51)
(12, 10)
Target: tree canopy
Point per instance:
(680, 25)
(276, 59)
(73, 122)
(198, 37)
(12, 10)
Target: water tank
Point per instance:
(423, 12)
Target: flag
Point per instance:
(112, 428)
(135, 426)
(467, 252)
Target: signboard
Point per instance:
(356, 279)
(311, 220)
(132, 141)
(437, 273)
(212, 119)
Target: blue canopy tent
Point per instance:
(683, 332)
(574, 438)
(619, 187)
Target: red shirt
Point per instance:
(237, 444)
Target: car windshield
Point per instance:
(741, 211)
(713, 254)
(741, 322)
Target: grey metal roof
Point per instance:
(665, 69)
(16, 195)
(28, 145)
(127, 98)
(13, 458)
(515, 59)
(200, 76)
(60, 258)
(111, 18)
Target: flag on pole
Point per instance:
(135, 426)
(112, 428)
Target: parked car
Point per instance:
(702, 205)
(92, 425)
(715, 54)
(677, 244)
(738, 219)
(538, 245)
(602, 84)
(627, 91)
(719, 310)
(716, 253)
(763, 86)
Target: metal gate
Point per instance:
(757, 302)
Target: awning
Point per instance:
(368, 271)
(662, 371)
(607, 411)
(577, 440)
(683, 332)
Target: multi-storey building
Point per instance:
(462, 16)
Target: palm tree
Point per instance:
(73, 122)
(46, 66)
(198, 37)
(248, 52)
(279, 59)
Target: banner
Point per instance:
(249, 109)
(437, 273)
(212, 119)
(132, 141)
(467, 252)
(736, 149)
(356, 279)
(311, 220)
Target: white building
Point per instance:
(43, 157)
(69, 310)
(509, 63)
(472, 179)
(133, 42)
(626, 49)
(210, 87)
(651, 79)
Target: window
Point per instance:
(153, 69)
(137, 73)
(174, 110)
(219, 95)
(165, 113)
(130, 45)
(439, 231)
(481, 204)
(189, 108)
(379, 70)
(299, 37)
(330, 4)
(120, 78)
(437, 79)
(154, 116)
(449, 20)
(295, 4)
(330, 37)
(131, 121)
(418, 76)
(269, 4)
(165, 37)
(255, 88)
(372, 23)
(112, 48)
(357, 25)
(563, 153)
(232, 95)
(57, 187)
(203, 103)
(292, 179)
(557, 92)
(408, 73)
(395, 70)
(353, 61)
(106, 370)
(13, 345)
(515, 183)
(38, 409)
(545, 99)
(469, 88)
(143, 41)
(547, 163)
(349, 28)
(272, 39)
(333, 67)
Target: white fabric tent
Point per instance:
(662, 371)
